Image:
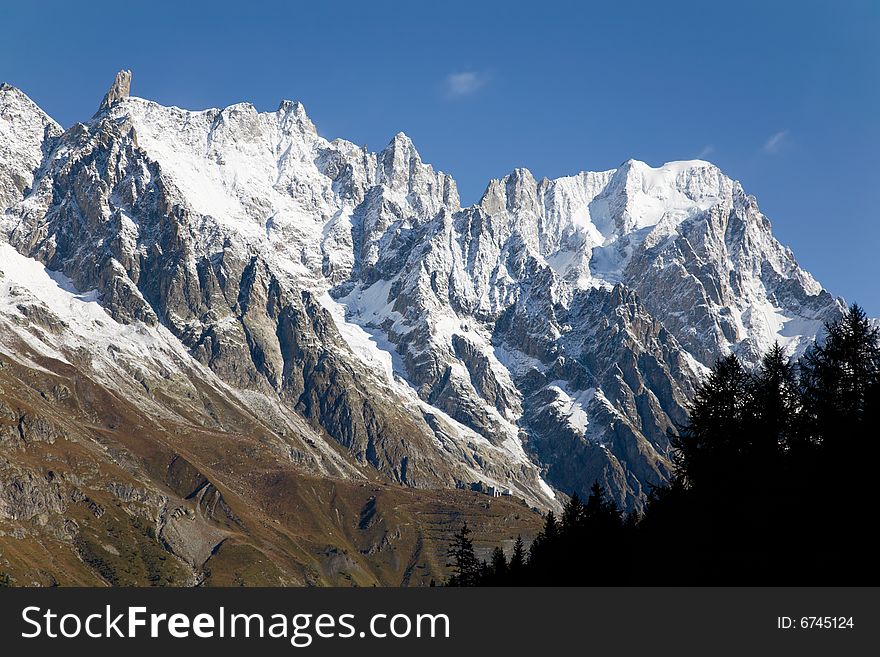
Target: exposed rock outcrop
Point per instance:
(119, 90)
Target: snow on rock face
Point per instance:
(25, 133)
(45, 310)
(250, 173)
(669, 228)
(44, 319)
(402, 171)
(733, 286)
(558, 326)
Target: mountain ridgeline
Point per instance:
(210, 308)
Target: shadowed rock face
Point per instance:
(370, 326)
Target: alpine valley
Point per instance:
(235, 352)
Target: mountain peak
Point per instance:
(119, 90)
(673, 166)
(401, 140)
(11, 91)
(295, 111)
(292, 106)
(692, 179)
(521, 174)
(398, 153)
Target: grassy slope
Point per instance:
(94, 501)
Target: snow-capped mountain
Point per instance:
(545, 338)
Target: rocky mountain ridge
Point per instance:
(545, 338)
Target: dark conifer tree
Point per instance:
(710, 447)
(572, 513)
(600, 513)
(466, 568)
(542, 553)
(517, 562)
(775, 404)
(713, 458)
(498, 568)
(837, 375)
(551, 528)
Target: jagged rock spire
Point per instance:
(119, 90)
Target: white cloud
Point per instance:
(462, 84)
(772, 145)
(708, 149)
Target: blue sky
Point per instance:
(784, 96)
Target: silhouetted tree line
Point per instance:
(774, 483)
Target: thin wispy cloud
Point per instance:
(465, 83)
(708, 149)
(772, 145)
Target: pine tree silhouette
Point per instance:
(466, 568)
(517, 563)
(542, 561)
(551, 528)
(711, 444)
(573, 512)
(498, 568)
(838, 374)
(775, 405)
(600, 513)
